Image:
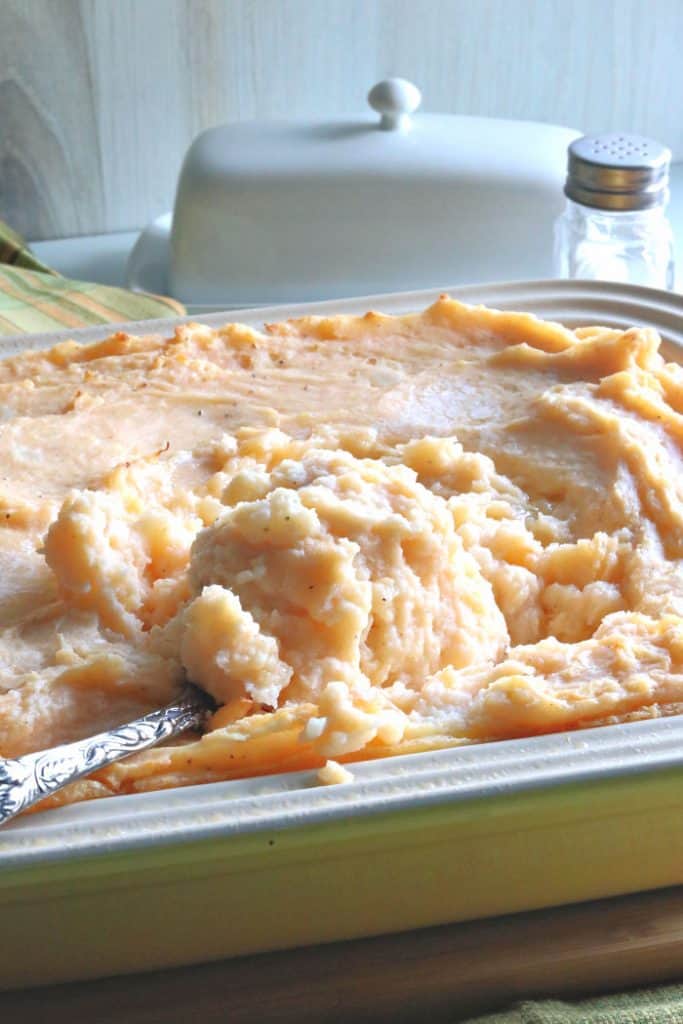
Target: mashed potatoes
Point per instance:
(363, 536)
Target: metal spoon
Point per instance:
(26, 780)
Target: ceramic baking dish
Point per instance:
(138, 882)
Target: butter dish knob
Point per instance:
(395, 99)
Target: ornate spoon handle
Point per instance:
(26, 780)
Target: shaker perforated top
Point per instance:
(618, 172)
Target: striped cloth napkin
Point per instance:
(35, 299)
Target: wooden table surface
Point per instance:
(436, 974)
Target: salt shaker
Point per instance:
(614, 225)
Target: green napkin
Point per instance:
(650, 1006)
(35, 299)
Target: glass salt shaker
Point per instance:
(614, 225)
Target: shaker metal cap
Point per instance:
(618, 172)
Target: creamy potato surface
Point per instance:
(362, 535)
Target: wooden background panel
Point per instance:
(47, 121)
(99, 99)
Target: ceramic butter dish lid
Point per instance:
(268, 212)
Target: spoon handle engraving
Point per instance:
(26, 780)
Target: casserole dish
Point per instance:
(145, 881)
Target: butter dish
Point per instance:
(299, 211)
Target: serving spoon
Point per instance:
(26, 780)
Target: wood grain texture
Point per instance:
(99, 99)
(47, 120)
(437, 974)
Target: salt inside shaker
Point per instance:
(614, 225)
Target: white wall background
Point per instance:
(99, 99)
